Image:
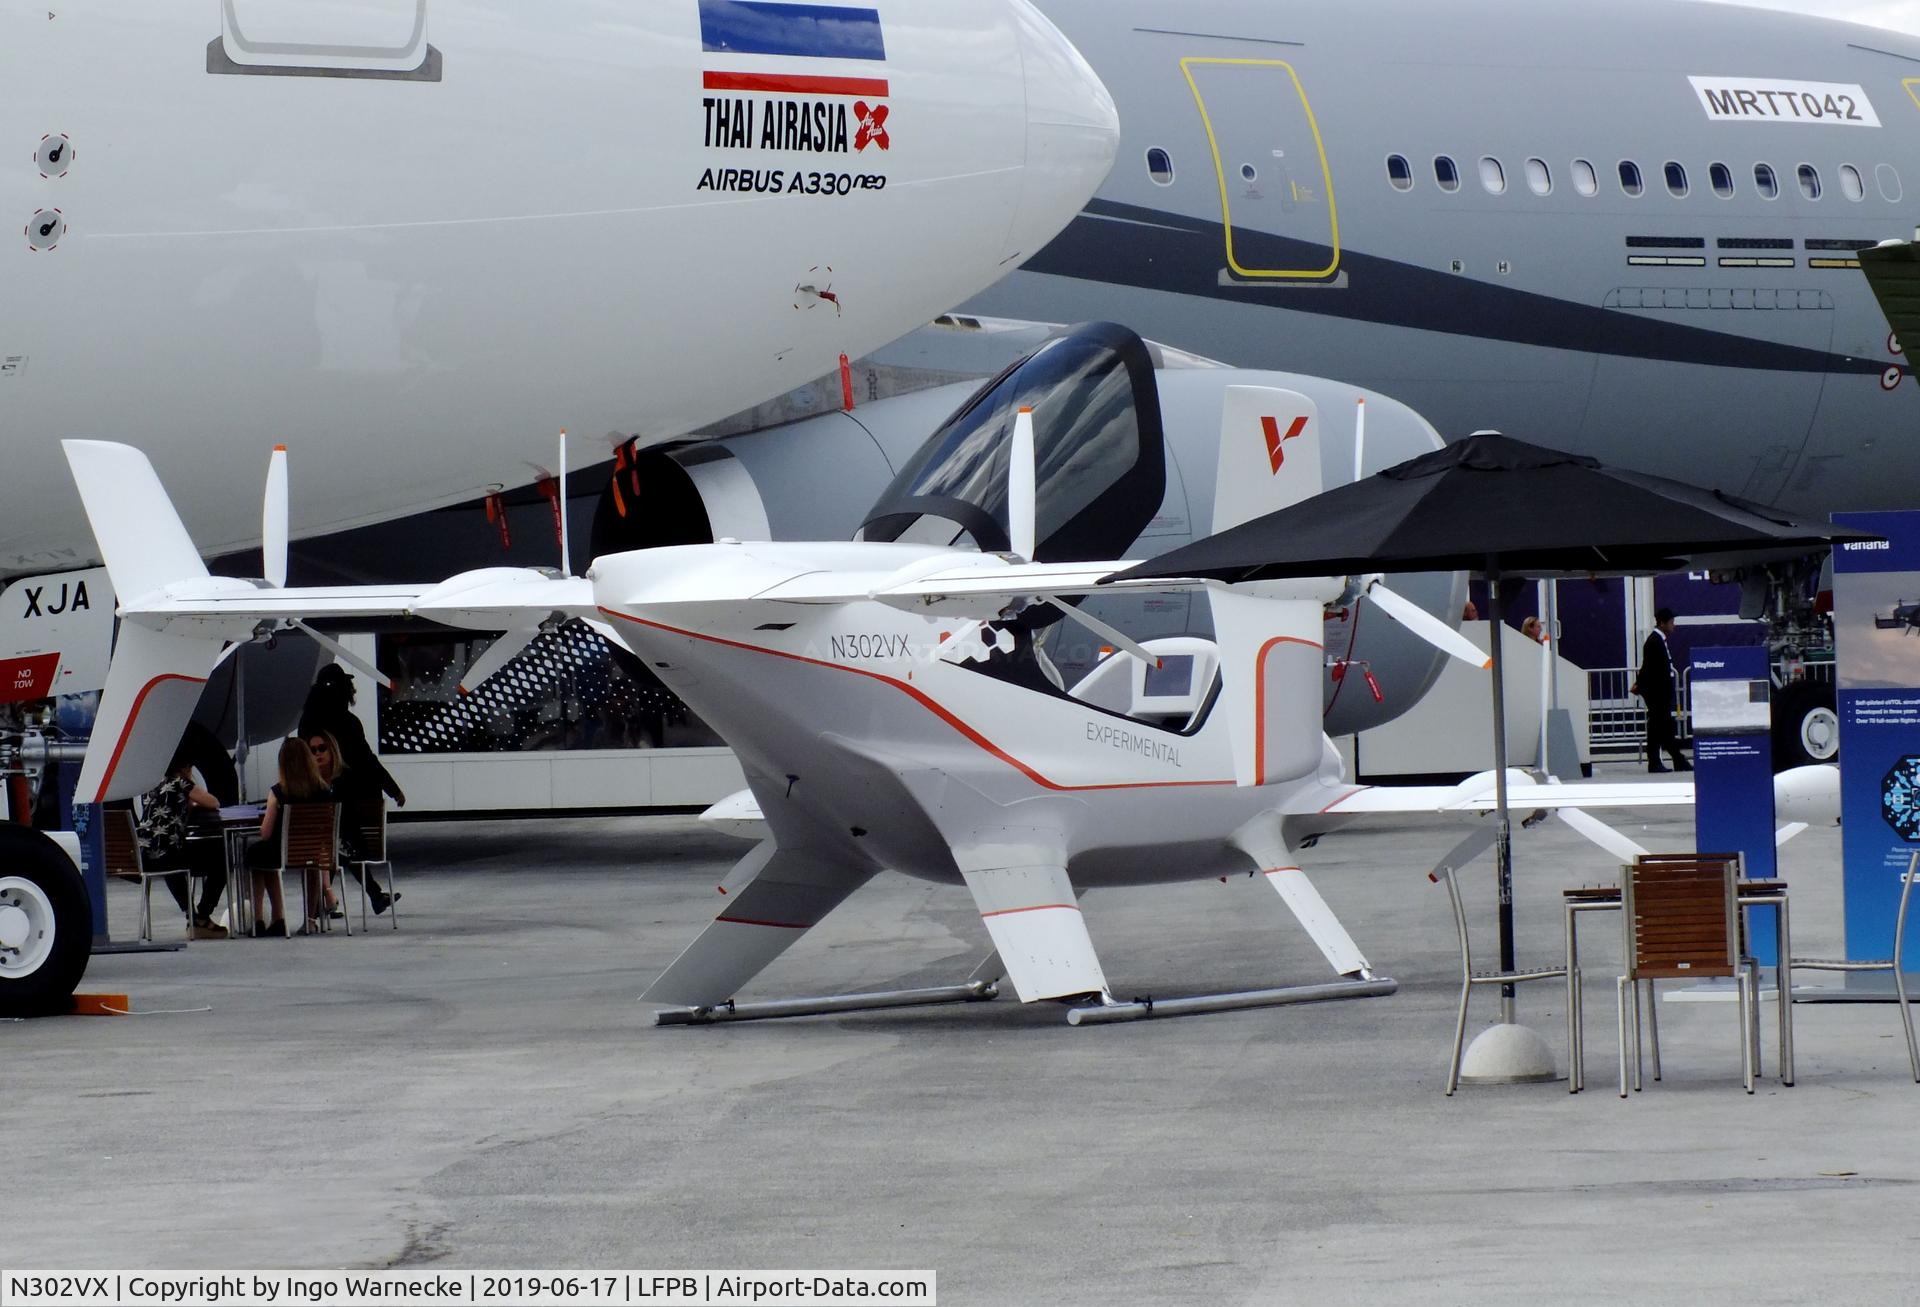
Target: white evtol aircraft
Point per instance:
(414, 236)
(893, 704)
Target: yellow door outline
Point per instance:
(1910, 83)
(1220, 169)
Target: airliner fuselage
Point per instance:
(1626, 228)
(413, 238)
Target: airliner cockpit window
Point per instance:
(1099, 450)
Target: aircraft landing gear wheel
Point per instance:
(1806, 725)
(46, 925)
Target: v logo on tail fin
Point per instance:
(1277, 443)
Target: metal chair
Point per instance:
(1681, 922)
(1893, 964)
(1447, 872)
(121, 840)
(367, 820)
(310, 842)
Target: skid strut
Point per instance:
(973, 992)
(1148, 1008)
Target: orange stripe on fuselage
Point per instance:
(926, 702)
(1260, 702)
(133, 719)
(1038, 907)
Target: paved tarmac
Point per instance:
(481, 1089)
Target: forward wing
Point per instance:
(1524, 794)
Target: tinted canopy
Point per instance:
(1099, 448)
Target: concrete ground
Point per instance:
(482, 1090)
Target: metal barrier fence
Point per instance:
(1617, 718)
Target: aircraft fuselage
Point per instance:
(1625, 229)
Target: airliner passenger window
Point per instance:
(1889, 180)
(1809, 181)
(1539, 180)
(1722, 178)
(1765, 182)
(1399, 172)
(1585, 179)
(1850, 184)
(1493, 176)
(1160, 166)
(1445, 175)
(1630, 182)
(1676, 180)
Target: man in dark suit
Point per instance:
(1655, 686)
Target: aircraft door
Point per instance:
(1276, 191)
(325, 38)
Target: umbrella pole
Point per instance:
(1503, 844)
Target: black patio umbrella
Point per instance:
(1499, 508)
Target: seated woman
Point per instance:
(300, 782)
(350, 786)
(163, 843)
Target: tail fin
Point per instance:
(152, 689)
(154, 682)
(1269, 454)
(142, 540)
(1271, 660)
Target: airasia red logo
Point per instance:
(1277, 443)
(873, 126)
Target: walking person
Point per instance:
(1656, 687)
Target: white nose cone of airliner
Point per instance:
(1073, 133)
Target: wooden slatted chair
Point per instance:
(121, 840)
(1895, 964)
(367, 819)
(1682, 922)
(310, 843)
(1746, 957)
(120, 837)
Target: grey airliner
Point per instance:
(1624, 228)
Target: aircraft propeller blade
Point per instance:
(566, 551)
(273, 520)
(1021, 489)
(1615, 843)
(1360, 439)
(501, 652)
(1112, 635)
(345, 655)
(1425, 625)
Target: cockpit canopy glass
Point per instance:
(1099, 449)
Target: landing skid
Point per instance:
(1146, 1009)
(977, 991)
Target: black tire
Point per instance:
(37, 879)
(1806, 725)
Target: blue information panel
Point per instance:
(1733, 768)
(1876, 619)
